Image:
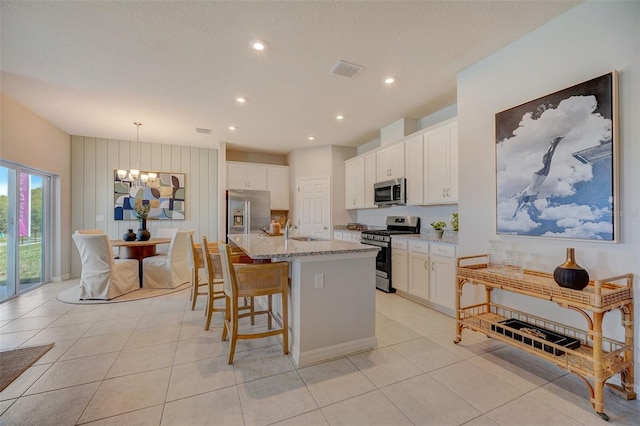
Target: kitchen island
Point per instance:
(332, 300)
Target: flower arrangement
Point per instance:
(142, 210)
(438, 225)
(454, 222)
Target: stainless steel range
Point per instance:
(382, 238)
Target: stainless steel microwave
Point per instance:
(390, 192)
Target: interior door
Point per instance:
(314, 207)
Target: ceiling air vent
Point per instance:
(346, 69)
(206, 131)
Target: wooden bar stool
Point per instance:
(251, 280)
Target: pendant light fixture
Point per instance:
(136, 178)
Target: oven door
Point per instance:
(383, 264)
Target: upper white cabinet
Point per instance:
(414, 164)
(278, 184)
(370, 176)
(441, 164)
(360, 175)
(261, 177)
(354, 183)
(246, 176)
(390, 162)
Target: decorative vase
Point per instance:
(143, 234)
(129, 235)
(570, 274)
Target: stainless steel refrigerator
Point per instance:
(248, 211)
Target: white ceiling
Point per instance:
(92, 68)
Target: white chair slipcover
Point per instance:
(165, 233)
(168, 270)
(104, 277)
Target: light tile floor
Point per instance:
(151, 362)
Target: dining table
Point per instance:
(138, 250)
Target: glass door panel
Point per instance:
(23, 212)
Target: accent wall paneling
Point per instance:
(93, 161)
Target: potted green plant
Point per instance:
(454, 222)
(438, 228)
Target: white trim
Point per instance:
(341, 349)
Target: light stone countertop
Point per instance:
(260, 246)
(427, 237)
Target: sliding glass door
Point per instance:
(24, 210)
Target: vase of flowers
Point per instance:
(142, 211)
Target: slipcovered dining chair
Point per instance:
(165, 233)
(103, 277)
(252, 280)
(90, 231)
(168, 270)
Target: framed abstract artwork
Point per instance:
(557, 165)
(165, 196)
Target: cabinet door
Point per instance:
(442, 277)
(354, 183)
(278, 185)
(419, 275)
(397, 161)
(383, 165)
(435, 151)
(369, 179)
(399, 270)
(452, 146)
(256, 177)
(236, 176)
(414, 165)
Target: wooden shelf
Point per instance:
(598, 358)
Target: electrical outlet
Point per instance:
(320, 280)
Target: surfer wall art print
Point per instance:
(557, 166)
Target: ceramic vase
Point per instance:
(570, 274)
(143, 234)
(129, 235)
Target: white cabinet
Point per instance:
(442, 275)
(390, 162)
(261, 177)
(414, 166)
(370, 172)
(278, 184)
(419, 269)
(337, 235)
(346, 235)
(441, 164)
(354, 173)
(246, 176)
(399, 265)
(360, 175)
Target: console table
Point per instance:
(597, 358)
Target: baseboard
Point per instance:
(323, 354)
(61, 278)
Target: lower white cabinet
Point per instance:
(399, 265)
(442, 275)
(425, 271)
(346, 235)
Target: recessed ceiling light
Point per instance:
(311, 138)
(390, 80)
(258, 45)
(340, 117)
(232, 127)
(241, 99)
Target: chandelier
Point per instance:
(134, 175)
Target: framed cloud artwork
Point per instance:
(557, 166)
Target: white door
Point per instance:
(314, 207)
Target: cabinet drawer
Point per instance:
(399, 244)
(443, 250)
(337, 235)
(419, 247)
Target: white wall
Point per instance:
(93, 161)
(31, 141)
(590, 40)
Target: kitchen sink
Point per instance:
(307, 238)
